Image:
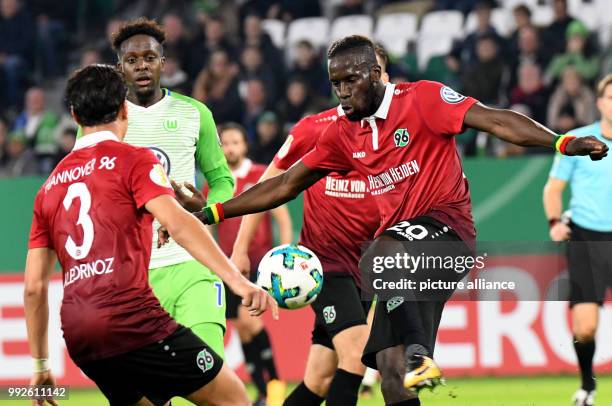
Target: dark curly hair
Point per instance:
(138, 26)
(96, 94)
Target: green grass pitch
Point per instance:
(524, 391)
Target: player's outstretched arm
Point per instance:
(39, 267)
(188, 232)
(248, 227)
(520, 130)
(270, 193)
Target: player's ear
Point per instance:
(123, 111)
(375, 73)
(162, 62)
(74, 117)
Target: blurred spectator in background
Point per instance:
(295, 103)
(530, 91)
(253, 67)
(465, 52)
(89, 57)
(212, 37)
(174, 77)
(217, 87)
(107, 53)
(52, 17)
(465, 6)
(65, 143)
(529, 51)
(522, 19)
(268, 139)
(254, 35)
(255, 103)
(131, 9)
(36, 125)
(487, 79)
(348, 7)
(576, 55)
(289, 10)
(308, 66)
(20, 159)
(572, 104)
(17, 40)
(176, 39)
(3, 144)
(554, 34)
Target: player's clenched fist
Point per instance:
(255, 299)
(587, 146)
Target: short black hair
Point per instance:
(95, 94)
(233, 126)
(139, 26)
(357, 44)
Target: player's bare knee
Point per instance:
(320, 384)
(585, 332)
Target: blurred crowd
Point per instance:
(219, 53)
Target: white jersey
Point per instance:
(178, 129)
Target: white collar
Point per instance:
(340, 111)
(94, 138)
(383, 109)
(243, 170)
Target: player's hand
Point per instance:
(560, 232)
(242, 262)
(587, 146)
(43, 378)
(193, 203)
(163, 236)
(255, 299)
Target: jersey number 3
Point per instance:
(80, 191)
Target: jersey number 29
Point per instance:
(80, 191)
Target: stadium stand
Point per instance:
(441, 45)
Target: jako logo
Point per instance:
(359, 155)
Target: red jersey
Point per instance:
(91, 212)
(407, 152)
(246, 176)
(338, 215)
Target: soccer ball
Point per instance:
(291, 274)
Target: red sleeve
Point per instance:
(40, 236)
(329, 153)
(441, 108)
(301, 139)
(147, 178)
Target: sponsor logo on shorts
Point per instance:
(393, 303)
(205, 361)
(329, 313)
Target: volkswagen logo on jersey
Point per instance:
(450, 96)
(162, 157)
